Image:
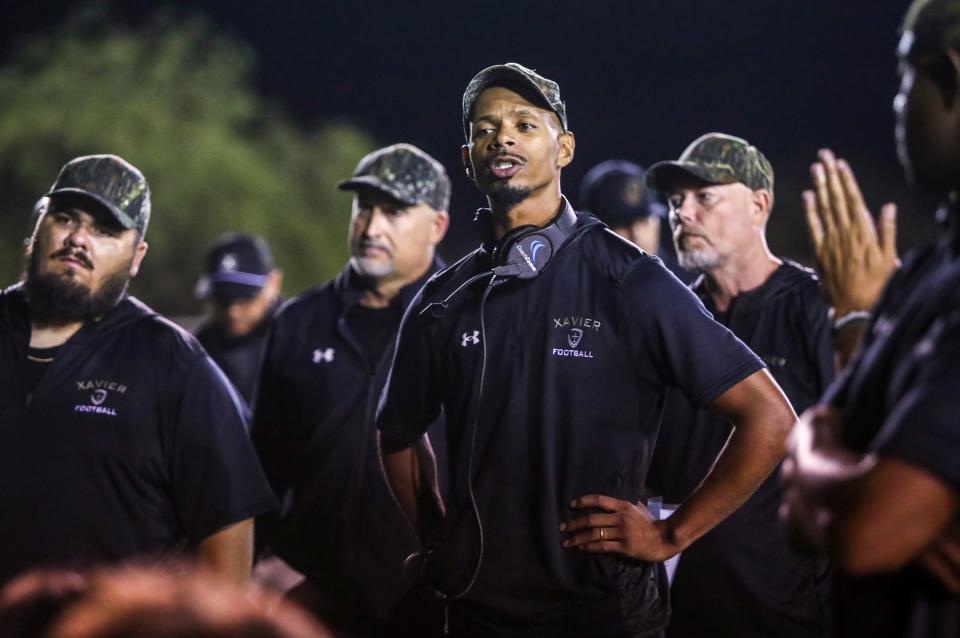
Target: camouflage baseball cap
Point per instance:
(512, 75)
(931, 24)
(109, 182)
(716, 158)
(405, 173)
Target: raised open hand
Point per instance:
(855, 255)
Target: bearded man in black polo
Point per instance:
(119, 437)
(741, 579)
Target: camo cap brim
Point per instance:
(405, 173)
(107, 182)
(662, 175)
(81, 198)
(715, 158)
(511, 74)
(374, 182)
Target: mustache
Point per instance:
(364, 244)
(73, 254)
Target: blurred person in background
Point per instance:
(326, 362)
(616, 193)
(241, 286)
(741, 579)
(119, 437)
(873, 473)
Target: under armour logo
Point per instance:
(323, 355)
(470, 339)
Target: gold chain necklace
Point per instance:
(30, 357)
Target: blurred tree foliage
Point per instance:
(175, 98)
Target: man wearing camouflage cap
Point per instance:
(549, 349)
(872, 477)
(325, 364)
(720, 194)
(119, 437)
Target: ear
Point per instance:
(138, 254)
(40, 210)
(441, 222)
(567, 143)
(275, 280)
(467, 164)
(762, 204)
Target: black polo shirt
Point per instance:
(745, 563)
(900, 397)
(324, 367)
(578, 362)
(132, 443)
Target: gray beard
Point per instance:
(699, 260)
(57, 300)
(372, 269)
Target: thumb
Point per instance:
(887, 229)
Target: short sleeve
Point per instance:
(215, 476)
(675, 341)
(923, 428)
(410, 401)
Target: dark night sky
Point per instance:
(641, 79)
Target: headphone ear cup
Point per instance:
(508, 241)
(523, 252)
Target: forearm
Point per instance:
(741, 467)
(411, 474)
(762, 417)
(753, 450)
(229, 552)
